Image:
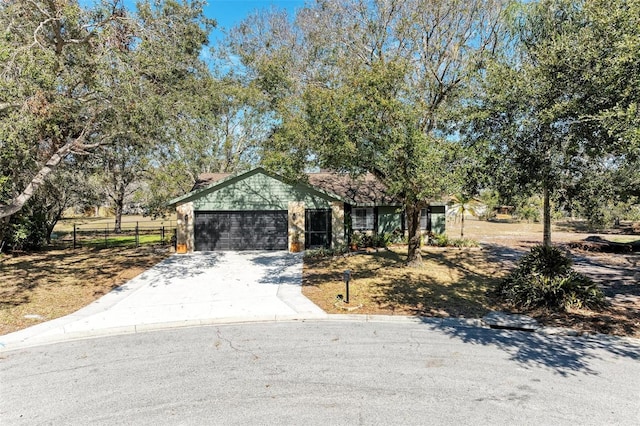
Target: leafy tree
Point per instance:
(563, 97)
(75, 79)
(371, 86)
(223, 136)
(122, 167)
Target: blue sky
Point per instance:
(230, 12)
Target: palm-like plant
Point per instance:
(462, 204)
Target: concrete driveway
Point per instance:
(191, 289)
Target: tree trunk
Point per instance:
(414, 257)
(462, 226)
(546, 216)
(119, 207)
(16, 204)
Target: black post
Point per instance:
(106, 236)
(74, 236)
(162, 236)
(137, 236)
(347, 277)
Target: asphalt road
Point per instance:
(324, 373)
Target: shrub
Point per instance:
(438, 240)
(463, 242)
(382, 240)
(374, 240)
(321, 253)
(544, 278)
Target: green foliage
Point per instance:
(78, 77)
(463, 242)
(528, 213)
(544, 278)
(371, 87)
(28, 230)
(322, 253)
(438, 240)
(362, 240)
(558, 111)
(490, 198)
(442, 240)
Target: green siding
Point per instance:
(389, 219)
(259, 192)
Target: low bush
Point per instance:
(463, 242)
(441, 240)
(373, 240)
(544, 278)
(321, 253)
(438, 240)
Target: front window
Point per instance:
(362, 219)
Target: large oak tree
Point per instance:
(371, 86)
(76, 78)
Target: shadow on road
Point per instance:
(565, 355)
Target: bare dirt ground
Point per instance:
(458, 282)
(41, 286)
(618, 274)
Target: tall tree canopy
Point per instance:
(561, 105)
(74, 79)
(371, 86)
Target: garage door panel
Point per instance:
(259, 230)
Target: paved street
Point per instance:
(324, 372)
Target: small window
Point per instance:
(362, 219)
(423, 219)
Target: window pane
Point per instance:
(362, 218)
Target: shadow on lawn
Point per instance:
(23, 273)
(565, 355)
(453, 283)
(462, 292)
(466, 294)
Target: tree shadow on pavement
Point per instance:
(281, 267)
(565, 355)
(180, 266)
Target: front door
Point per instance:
(317, 229)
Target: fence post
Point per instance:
(162, 236)
(137, 236)
(106, 236)
(74, 236)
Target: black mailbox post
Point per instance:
(347, 278)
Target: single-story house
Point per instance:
(259, 210)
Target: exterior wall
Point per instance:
(389, 220)
(296, 222)
(337, 223)
(185, 234)
(259, 192)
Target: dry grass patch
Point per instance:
(450, 283)
(43, 286)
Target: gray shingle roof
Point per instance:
(361, 190)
